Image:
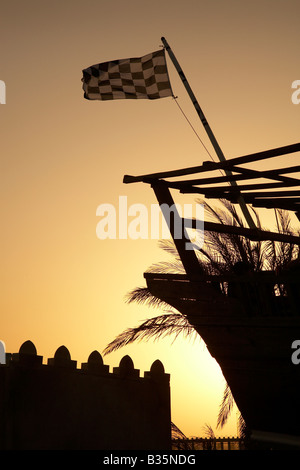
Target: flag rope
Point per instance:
(209, 132)
(199, 138)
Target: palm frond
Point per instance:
(208, 431)
(153, 328)
(142, 295)
(279, 254)
(232, 248)
(218, 214)
(258, 221)
(232, 216)
(242, 428)
(174, 267)
(225, 407)
(168, 246)
(176, 433)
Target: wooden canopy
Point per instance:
(183, 290)
(279, 194)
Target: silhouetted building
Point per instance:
(59, 406)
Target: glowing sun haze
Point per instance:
(62, 156)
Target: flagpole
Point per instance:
(208, 130)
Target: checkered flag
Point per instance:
(137, 78)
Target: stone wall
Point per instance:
(59, 406)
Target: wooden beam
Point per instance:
(221, 191)
(254, 157)
(226, 191)
(245, 174)
(187, 256)
(274, 204)
(209, 166)
(252, 234)
(271, 174)
(222, 179)
(262, 276)
(277, 198)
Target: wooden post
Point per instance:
(188, 257)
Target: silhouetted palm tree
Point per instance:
(208, 431)
(219, 255)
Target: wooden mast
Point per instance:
(207, 129)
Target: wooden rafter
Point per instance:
(283, 198)
(210, 186)
(209, 166)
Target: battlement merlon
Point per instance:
(54, 404)
(27, 356)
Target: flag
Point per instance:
(141, 77)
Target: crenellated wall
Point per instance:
(60, 406)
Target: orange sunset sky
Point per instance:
(62, 156)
